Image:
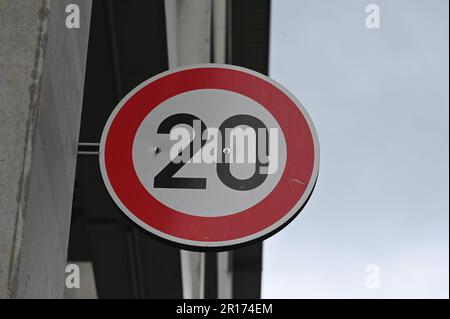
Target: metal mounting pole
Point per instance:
(188, 29)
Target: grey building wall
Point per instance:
(42, 67)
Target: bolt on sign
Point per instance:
(210, 156)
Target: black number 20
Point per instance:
(165, 179)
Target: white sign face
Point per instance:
(216, 199)
(209, 156)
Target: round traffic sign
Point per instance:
(210, 156)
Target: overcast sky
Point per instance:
(380, 103)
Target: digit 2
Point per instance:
(165, 178)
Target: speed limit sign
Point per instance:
(210, 156)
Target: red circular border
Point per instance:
(128, 188)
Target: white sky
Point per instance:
(380, 103)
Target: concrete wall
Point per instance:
(42, 67)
